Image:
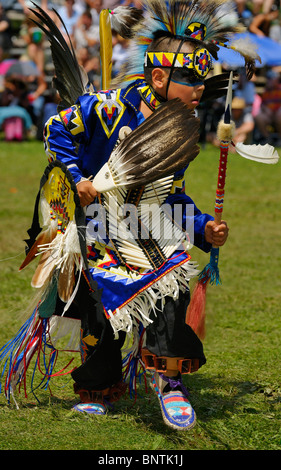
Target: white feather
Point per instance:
(124, 18)
(245, 47)
(119, 15)
(259, 153)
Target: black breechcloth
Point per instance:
(168, 335)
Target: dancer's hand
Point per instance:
(216, 234)
(86, 192)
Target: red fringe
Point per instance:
(195, 314)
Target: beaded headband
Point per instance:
(199, 61)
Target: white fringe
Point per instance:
(141, 306)
(63, 246)
(139, 309)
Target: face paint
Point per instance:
(187, 78)
(186, 83)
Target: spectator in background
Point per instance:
(111, 4)
(137, 4)
(70, 17)
(15, 119)
(132, 3)
(86, 34)
(119, 53)
(245, 15)
(37, 85)
(80, 6)
(262, 23)
(267, 4)
(257, 6)
(246, 89)
(243, 119)
(262, 6)
(27, 4)
(91, 64)
(268, 119)
(5, 34)
(33, 38)
(95, 7)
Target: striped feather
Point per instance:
(66, 280)
(44, 270)
(43, 238)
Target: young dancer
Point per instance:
(140, 288)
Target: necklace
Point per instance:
(150, 97)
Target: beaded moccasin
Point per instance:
(176, 409)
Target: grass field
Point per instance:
(237, 394)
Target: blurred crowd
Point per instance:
(27, 98)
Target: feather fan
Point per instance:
(63, 255)
(71, 80)
(48, 299)
(46, 235)
(163, 144)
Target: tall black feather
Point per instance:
(71, 80)
(163, 144)
(216, 86)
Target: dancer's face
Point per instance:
(189, 93)
(183, 83)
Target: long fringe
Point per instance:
(32, 342)
(132, 364)
(37, 340)
(138, 309)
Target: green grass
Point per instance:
(237, 394)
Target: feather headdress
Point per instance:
(197, 20)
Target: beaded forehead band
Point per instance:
(199, 61)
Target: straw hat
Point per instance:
(238, 103)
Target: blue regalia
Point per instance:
(94, 123)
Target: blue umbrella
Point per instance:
(268, 50)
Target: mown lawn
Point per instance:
(237, 394)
